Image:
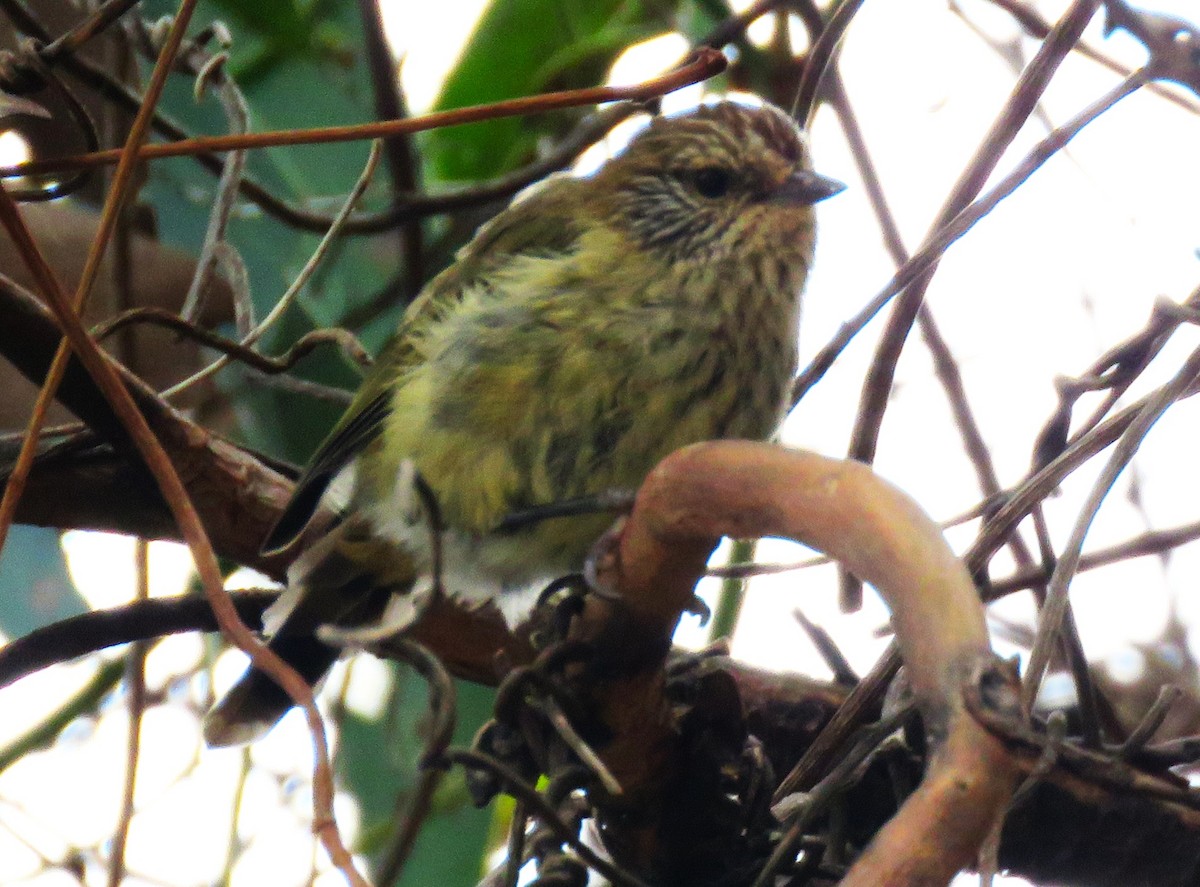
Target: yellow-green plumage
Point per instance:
(586, 332)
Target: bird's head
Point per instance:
(717, 182)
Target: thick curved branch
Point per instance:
(1088, 815)
(741, 489)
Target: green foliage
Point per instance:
(523, 47)
(35, 588)
(300, 63)
(729, 601)
(292, 84)
(276, 32)
(378, 763)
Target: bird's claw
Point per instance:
(602, 567)
(697, 607)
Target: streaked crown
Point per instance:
(716, 180)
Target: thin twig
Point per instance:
(1153, 719)
(840, 778)
(303, 387)
(107, 13)
(515, 855)
(706, 63)
(1032, 22)
(1068, 562)
(441, 732)
(237, 113)
(1071, 642)
(538, 806)
(135, 682)
(864, 699)
(234, 843)
(1147, 544)
(835, 660)
(345, 340)
(569, 735)
(409, 206)
(932, 250)
(301, 280)
(86, 701)
(402, 159)
(820, 59)
(109, 218)
(1024, 98)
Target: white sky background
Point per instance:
(1060, 272)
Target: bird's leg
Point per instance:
(609, 500)
(401, 612)
(603, 562)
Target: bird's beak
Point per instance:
(806, 187)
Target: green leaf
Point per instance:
(377, 761)
(270, 33)
(297, 89)
(520, 48)
(35, 587)
(84, 702)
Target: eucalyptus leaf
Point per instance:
(521, 48)
(35, 587)
(378, 762)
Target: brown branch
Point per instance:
(408, 206)
(237, 494)
(932, 250)
(96, 23)
(1032, 22)
(706, 63)
(99, 629)
(1021, 103)
(1173, 44)
(346, 341)
(742, 490)
(1041, 483)
(438, 735)
(1152, 543)
(135, 682)
(106, 377)
(820, 59)
(403, 162)
(1050, 620)
(110, 216)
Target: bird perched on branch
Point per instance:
(587, 331)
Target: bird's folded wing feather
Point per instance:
(544, 224)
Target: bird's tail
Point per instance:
(256, 703)
(346, 580)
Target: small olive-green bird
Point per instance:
(587, 331)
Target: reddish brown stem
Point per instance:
(706, 63)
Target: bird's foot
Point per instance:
(399, 614)
(697, 607)
(602, 567)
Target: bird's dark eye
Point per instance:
(712, 181)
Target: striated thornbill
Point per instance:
(587, 331)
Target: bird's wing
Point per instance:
(544, 223)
